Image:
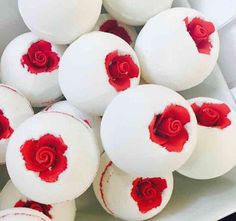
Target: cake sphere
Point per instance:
(10, 197)
(93, 121)
(95, 68)
(30, 64)
(60, 21)
(107, 23)
(135, 13)
(215, 152)
(20, 214)
(149, 130)
(144, 197)
(177, 48)
(14, 109)
(52, 157)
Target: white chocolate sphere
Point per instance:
(83, 74)
(113, 189)
(168, 54)
(10, 196)
(93, 121)
(60, 21)
(40, 89)
(215, 152)
(127, 138)
(19, 214)
(16, 108)
(135, 12)
(65, 173)
(107, 23)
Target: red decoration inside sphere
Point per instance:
(5, 128)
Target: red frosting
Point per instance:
(36, 206)
(5, 128)
(112, 26)
(40, 58)
(147, 193)
(120, 69)
(212, 115)
(168, 128)
(200, 32)
(45, 156)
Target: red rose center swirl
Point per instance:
(46, 156)
(40, 59)
(147, 191)
(169, 127)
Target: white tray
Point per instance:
(191, 200)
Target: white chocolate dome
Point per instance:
(84, 73)
(10, 197)
(93, 121)
(114, 190)
(19, 214)
(215, 152)
(40, 87)
(60, 21)
(137, 136)
(169, 55)
(15, 108)
(52, 157)
(107, 23)
(135, 12)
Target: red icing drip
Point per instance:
(87, 122)
(120, 69)
(200, 32)
(147, 193)
(45, 209)
(112, 26)
(168, 128)
(5, 128)
(212, 115)
(45, 156)
(101, 185)
(40, 58)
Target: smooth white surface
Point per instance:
(59, 212)
(135, 12)
(60, 21)
(215, 153)
(40, 89)
(82, 158)
(20, 214)
(83, 76)
(125, 131)
(174, 60)
(116, 189)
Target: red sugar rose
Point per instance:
(200, 32)
(45, 156)
(45, 209)
(120, 68)
(5, 128)
(148, 193)
(40, 58)
(168, 129)
(212, 115)
(111, 26)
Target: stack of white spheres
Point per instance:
(60, 21)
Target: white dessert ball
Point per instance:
(215, 152)
(10, 197)
(178, 48)
(14, 109)
(30, 64)
(19, 214)
(149, 130)
(107, 23)
(93, 121)
(52, 157)
(135, 12)
(144, 197)
(95, 68)
(60, 21)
